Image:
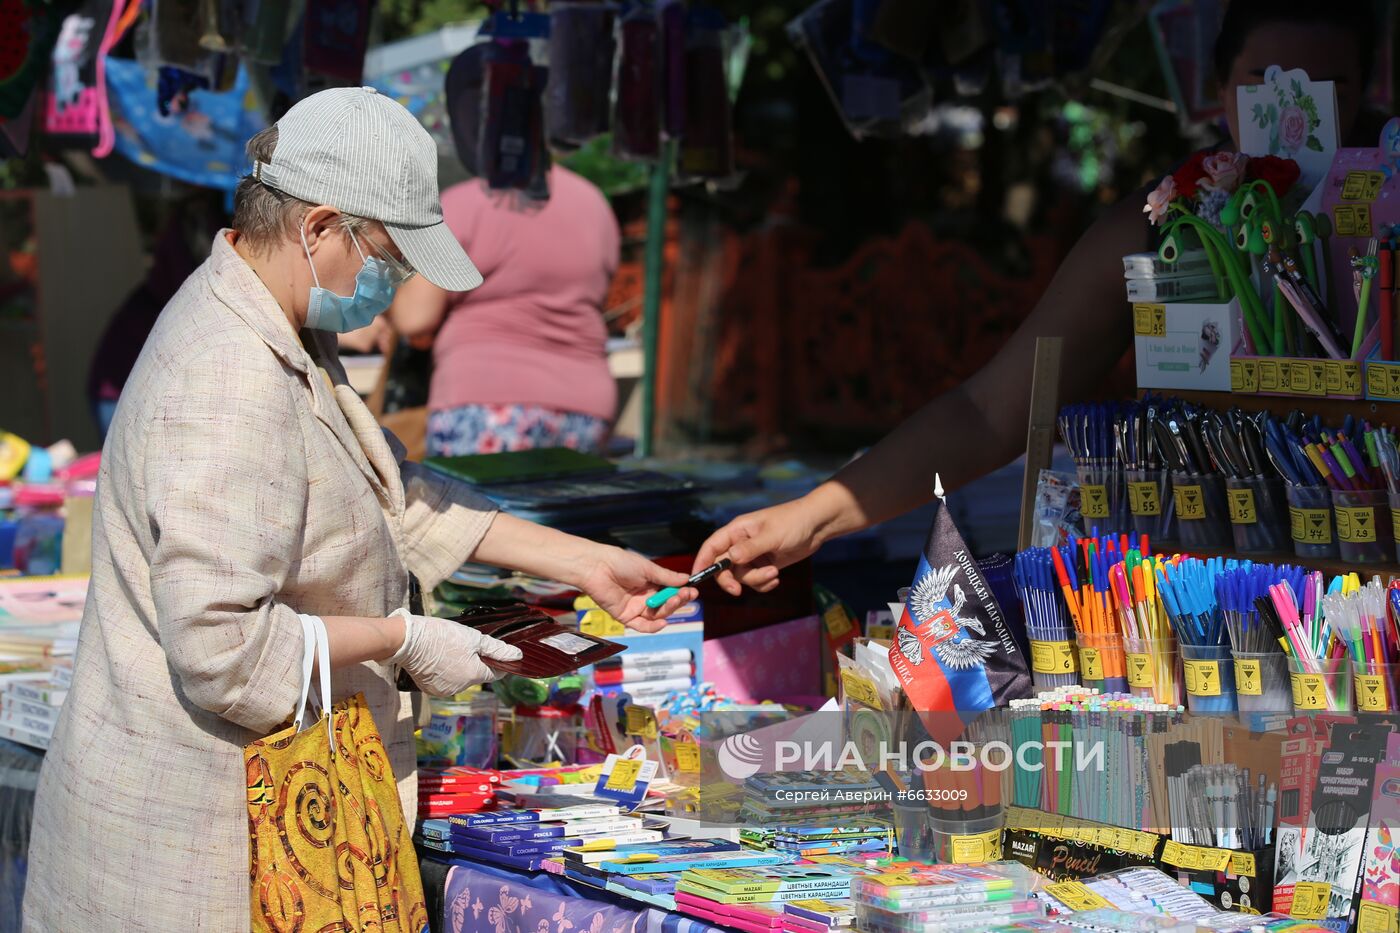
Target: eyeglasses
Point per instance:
(399, 271)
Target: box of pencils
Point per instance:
(1231, 880)
(1064, 848)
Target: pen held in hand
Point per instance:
(659, 599)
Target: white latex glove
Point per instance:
(444, 657)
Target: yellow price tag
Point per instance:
(1383, 380)
(1370, 693)
(1244, 376)
(597, 622)
(1091, 663)
(1076, 896)
(1144, 499)
(687, 758)
(860, 688)
(1202, 678)
(838, 623)
(1309, 691)
(1310, 900)
(1243, 865)
(1150, 320)
(1270, 375)
(1242, 510)
(1190, 503)
(1310, 526)
(1356, 524)
(1140, 671)
(1249, 679)
(624, 775)
(1377, 918)
(1052, 657)
(1093, 501)
(1175, 853)
(1351, 379)
(640, 720)
(975, 850)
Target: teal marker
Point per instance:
(657, 600)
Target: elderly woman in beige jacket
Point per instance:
(244, 483)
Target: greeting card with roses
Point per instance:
(1293, 117)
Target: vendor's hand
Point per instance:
(375, 337)
(760, 544)
(620, 582)
(445, 657)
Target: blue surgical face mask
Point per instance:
(374, 292)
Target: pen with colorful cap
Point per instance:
(659, 599)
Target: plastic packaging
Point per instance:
(460, 734)
(707, 141)
(1320, 686)
(1262, 683)
(512, 153)
(1151, 506)
(1310, 521)
(1201, 510)
(637, 113)
(1258, 518)
(544, 734)
(1377, 687)
(1210, 678)
(38, 547)
(1154, 669)
(1364, 533)
(578, 95)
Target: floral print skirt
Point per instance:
(491, 429)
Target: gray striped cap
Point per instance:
(364, 154)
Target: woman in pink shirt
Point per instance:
(521, 361)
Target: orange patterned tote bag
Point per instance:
(329, 847)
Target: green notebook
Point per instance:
(520, 466)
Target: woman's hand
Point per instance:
(620, 582)
(762, 543)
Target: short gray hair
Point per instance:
(264, 216)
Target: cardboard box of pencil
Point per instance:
(1242, 881)
(1184, 346)
(1064, 848)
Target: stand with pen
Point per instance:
(1364, 531)
(1092, 434)
(1377, 687)
(1201, 510)
(1310, 521)
(1188, 590)
(1053, 661)
(1320, 684)
(1261, 667)
(1258, 518)
(1151, 505)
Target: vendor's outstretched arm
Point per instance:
(964, 433)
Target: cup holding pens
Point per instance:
(1377, 687)
(1210, 678)
(911, 828)
(966, 842)
(1151, 506)
(1053, 661)
(1364, 532)
(1262, 683)
(1320, 685)
(1201, 510)
(1257, 517)
(1310, 521)
(1394, 498)
(1103, 501)
(1101, 662)
(1154, 669)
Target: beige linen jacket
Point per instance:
(238, 488)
